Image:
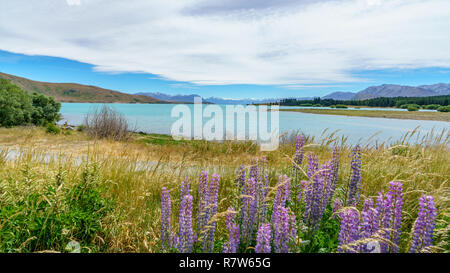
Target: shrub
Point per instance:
(341, 106)
(81, 128)
(444, 108)
(413, 107)
(432, 106)
(51, 128)
(107, 123)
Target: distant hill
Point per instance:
(393, 90)
(340, 96)
(72, 92)
(439, 88)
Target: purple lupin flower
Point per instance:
(202, 200)
(422, 235)
(313, 165)
(186, 234)
(263, 239)
(240, 180)
(211, 211)
(249, 210)
(281, 229)
(335, 168)
(301, 190)
(384, 216)
(165, 219)
(292, 224)
(298, 154)
(184, 188)
(395, 191)
(354, 186)
(317, 195)
(283, 191)
(327, 178)
(349, 231)
(263, 202)
(369, 225)
(254, 170)
(232, 246)
(310, 190)
(337, 206)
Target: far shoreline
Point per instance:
(434, 116)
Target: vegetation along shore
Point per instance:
(418, 115)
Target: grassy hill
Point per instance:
(72, 92)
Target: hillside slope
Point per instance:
(72, 92)
(392, 90)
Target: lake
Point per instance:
(156, 118)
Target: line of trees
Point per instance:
(376, 102)
(17, 107)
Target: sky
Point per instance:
(228, 48)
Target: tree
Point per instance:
(17, 107)
(45, 110)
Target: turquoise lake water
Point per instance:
(156, 118)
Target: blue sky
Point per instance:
(52, 69)
(228, 48)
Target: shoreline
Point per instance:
(434, 116)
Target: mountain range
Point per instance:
(73, 92)
(215, 100)
(393, 90)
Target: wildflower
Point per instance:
(202, 200)
(349, 232)
(165, 219)
(249, 210)
(240, 180)
(284, 228)
(369, 225)
(354, 186)
(186, 234)
(422, 234)
(334, 169)
(317, 194)
(299, 152)
(283, 192)
(263, 239)
(184, 188)
(211, 211)
(337, 206)
(395, 191)
(232, 245)
(301, 190)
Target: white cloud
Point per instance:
(73, 2)
(314, 42)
